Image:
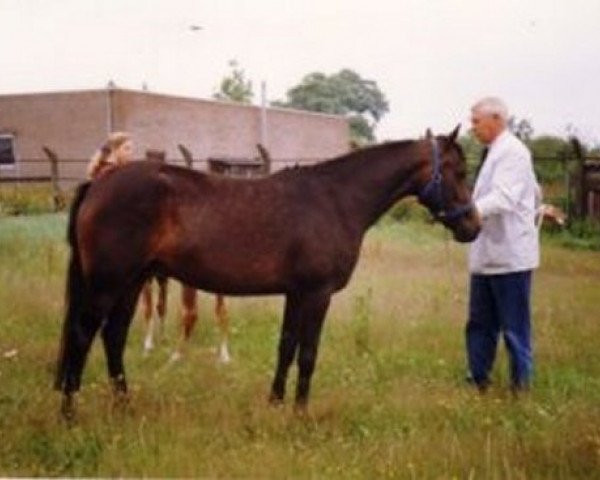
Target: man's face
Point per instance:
(486, 127)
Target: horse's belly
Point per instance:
(234, 274)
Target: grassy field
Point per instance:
(388, 398)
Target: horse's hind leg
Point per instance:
(223, 320)
(161, 302)
(114, 336)
(155, 319)
(189, 317)
(76, 342)
(149, 319)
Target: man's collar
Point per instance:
(499, 139)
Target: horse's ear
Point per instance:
(454, 133)
(428, 134)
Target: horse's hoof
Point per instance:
(275, 400)
(148, 345)
(175, 357)
(120, 402)
(224, 357)
(301, 409)
(67, 411)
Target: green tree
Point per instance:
(343, 93)
(549, 146)
(472, 150)
(548, 152)
(235, 87)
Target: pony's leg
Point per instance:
(161, 303)
(189, 317)
(114, 336)
(223, 320)
(314, 308)
(288, 342)
(149, 319)
(155, 319)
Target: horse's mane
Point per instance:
(350, 158)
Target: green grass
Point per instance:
(388, 397)
(25, 199)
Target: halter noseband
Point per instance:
(431, 194)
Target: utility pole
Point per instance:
(263, 115)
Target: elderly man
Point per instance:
(502, 258)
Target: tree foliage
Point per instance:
(548, 151)
(343, 93)
(235, 87)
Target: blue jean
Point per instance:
(500, 304)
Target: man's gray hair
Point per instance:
(491, 106)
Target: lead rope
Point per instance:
(451, 271)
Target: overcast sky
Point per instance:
(431, 58)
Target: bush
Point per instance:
(18, 199)
(409, 210)
(580, 235)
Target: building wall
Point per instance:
(71, 123)
(220, 129)
(309, 136)
(74, 125)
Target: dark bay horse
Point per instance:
(297, 232)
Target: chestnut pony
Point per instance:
(154, 317)
(297, 233)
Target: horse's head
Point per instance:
(443, 186)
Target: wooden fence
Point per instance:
(61, 182)
(577, 190)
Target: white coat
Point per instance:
(507, 196)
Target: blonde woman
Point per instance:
(116, 151)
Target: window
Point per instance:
(7, 151)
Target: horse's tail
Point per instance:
(75, 289)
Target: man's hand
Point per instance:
(553, 214)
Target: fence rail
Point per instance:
(571, 181)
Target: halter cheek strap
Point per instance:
(431, 195)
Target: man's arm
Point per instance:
(509, 180)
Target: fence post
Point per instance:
(564, 157)
(579, 180)
(266, 158)
(187, 156)
(58, 198)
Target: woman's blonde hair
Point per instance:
(102, 156)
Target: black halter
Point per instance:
(431, 194)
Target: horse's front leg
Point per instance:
(189, 317)
(155, 318)
(314, 310)
(223, 320)
(288, 343)
(304, 314)
(149, 318)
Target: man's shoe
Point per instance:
(481, 385)
(519, 389)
